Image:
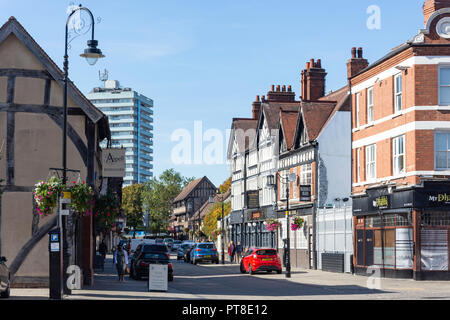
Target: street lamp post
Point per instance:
(211, 200)
(290, 178)
(92, 54)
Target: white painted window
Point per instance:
(371, 163)
(358, 165)
(357, 109)
(444, 86)
(398, 92)
(442, 150)
(370, 105)
(306, 174)
(398, 152)
(283, 184)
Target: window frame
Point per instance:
(446, 132)
(358, 105)
(370, 106)
(395, 156)
(398, 108)
(368, 163)
(442, 66)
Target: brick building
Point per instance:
(401, 154)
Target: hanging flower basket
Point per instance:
(46, 195)
(297, 223)
(272, 224)
(82, 198)
(106, 210)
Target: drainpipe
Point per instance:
(315, 205)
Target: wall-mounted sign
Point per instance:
(253, 199)
(381, 202)
(305, 193)
(256, 215)
(113, 162)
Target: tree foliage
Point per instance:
(214, 214)
(158, 194)
(224, 187)
(132, 204)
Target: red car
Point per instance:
(256, 260)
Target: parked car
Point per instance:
(169, 243)
(147, 254)
(181, 251)
(176, 245)
(159, 241)
(256, 260)
(204, 251)
(5, 278)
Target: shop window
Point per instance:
(435, 218)
(384, 248)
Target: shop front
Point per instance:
(403, 233)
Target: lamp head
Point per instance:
(92, 53)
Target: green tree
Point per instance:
(158, 195)
(132, 205)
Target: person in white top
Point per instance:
(121, 261)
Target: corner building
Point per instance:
(401, 155)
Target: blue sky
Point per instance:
(206, 61)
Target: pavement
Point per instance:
(315, 284)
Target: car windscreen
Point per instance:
(205, 246)
(156, 256)
(155, 248)
(185, 246)
(267, 252)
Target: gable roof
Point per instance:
(247, 127)
(204, 209)
(12, 26)
(315, 115)
(271, 112)
(288, 125)
(189, 188)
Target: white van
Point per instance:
(136, 242)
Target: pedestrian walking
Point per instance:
(231, 251)
(238, 252)
(102, 249)
(121, 261)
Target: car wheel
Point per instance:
(269, 271)
(250, 271)
(242, 268)
(132, 274)
(279, 271)
(217, 261)
(194, 262)
(6, 293)
(170, 277)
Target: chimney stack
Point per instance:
(256, 108)
(357, 63)
(281, 94)
(313, 81)
(431, 6)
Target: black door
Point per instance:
(369, 248)
(360, 247)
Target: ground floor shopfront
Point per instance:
(403, 233)
(249, 227)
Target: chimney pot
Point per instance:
(257, 99)
(354, 53)
(360, 53)
(278, 88)
(272, 88)
(312, 63)
(284, 88)
(289, 88)
(308, 65)
(319, 63)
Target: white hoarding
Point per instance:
(158, 277)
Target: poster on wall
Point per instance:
(405, 248)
